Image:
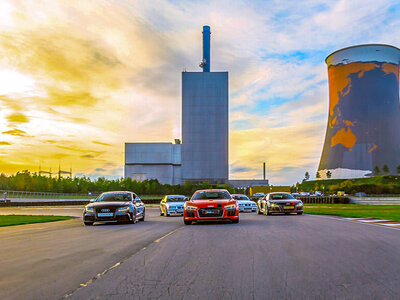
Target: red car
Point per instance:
(213, 204)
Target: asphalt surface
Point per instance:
(262, 257)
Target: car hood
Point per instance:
(109, 204)
(175, 203)
(211, 203)
(283, 201)
(246, 202)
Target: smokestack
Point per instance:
(205, 64)
(264, 170)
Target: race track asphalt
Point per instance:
(262, 257)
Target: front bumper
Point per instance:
(282, 209)
(116, 217)
(248, 209)
(175, 212)
(225, 216)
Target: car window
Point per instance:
(211, 195)
(280, 196)
(176, 199)
(241, 198)
(114, 197)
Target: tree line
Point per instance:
(26, 181)
(383, 184)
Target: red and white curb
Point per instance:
(382, 222)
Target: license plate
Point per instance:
(105, 214)
(209, 211)
(289, 207)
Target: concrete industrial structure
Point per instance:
(364, 111)
(203, 154)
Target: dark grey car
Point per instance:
(114, 207)
(283, 203)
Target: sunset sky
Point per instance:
(78, 79)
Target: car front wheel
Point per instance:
(88, 223)
(133, 218)
(300, 213)
(187, 222)
(235, 221)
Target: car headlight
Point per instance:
(123, 209)
(299, 204)
(230, 206)
(274, 204)
(89, 209)
(191, 208)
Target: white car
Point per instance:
(245, 204)
(172, 205)
(258, 195)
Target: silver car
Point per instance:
(245, 204)
(283, 203)
(172, 205)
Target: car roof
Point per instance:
(239, 195)
(212, 190)
(119, 192)
(175, 195)
(278, 193)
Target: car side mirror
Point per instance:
(91, 200)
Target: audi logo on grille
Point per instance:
(105, 210)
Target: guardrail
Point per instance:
(60, 202)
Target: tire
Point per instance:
(268, 213)
(299, 213)
(161, 213)
(259, 212)
(134, 219)
(88, 223)
(143, 217)
(187, 222)
(235, 221)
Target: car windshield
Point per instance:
(211, 195)
(114, 197)
(241, 198)
(281, 196)
(176, 199)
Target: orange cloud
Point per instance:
(17, 118)
(15, 132)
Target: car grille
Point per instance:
(216, 212)
(105, 210)
(231, 212)
(190, 214)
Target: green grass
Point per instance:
(10, 220)
(387, 212)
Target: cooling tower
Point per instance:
(363, 128)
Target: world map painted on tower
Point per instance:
(364, 116)
(340, 84)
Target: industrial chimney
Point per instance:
(205, 63)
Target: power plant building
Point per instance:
(364, 111)
(203, 154)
